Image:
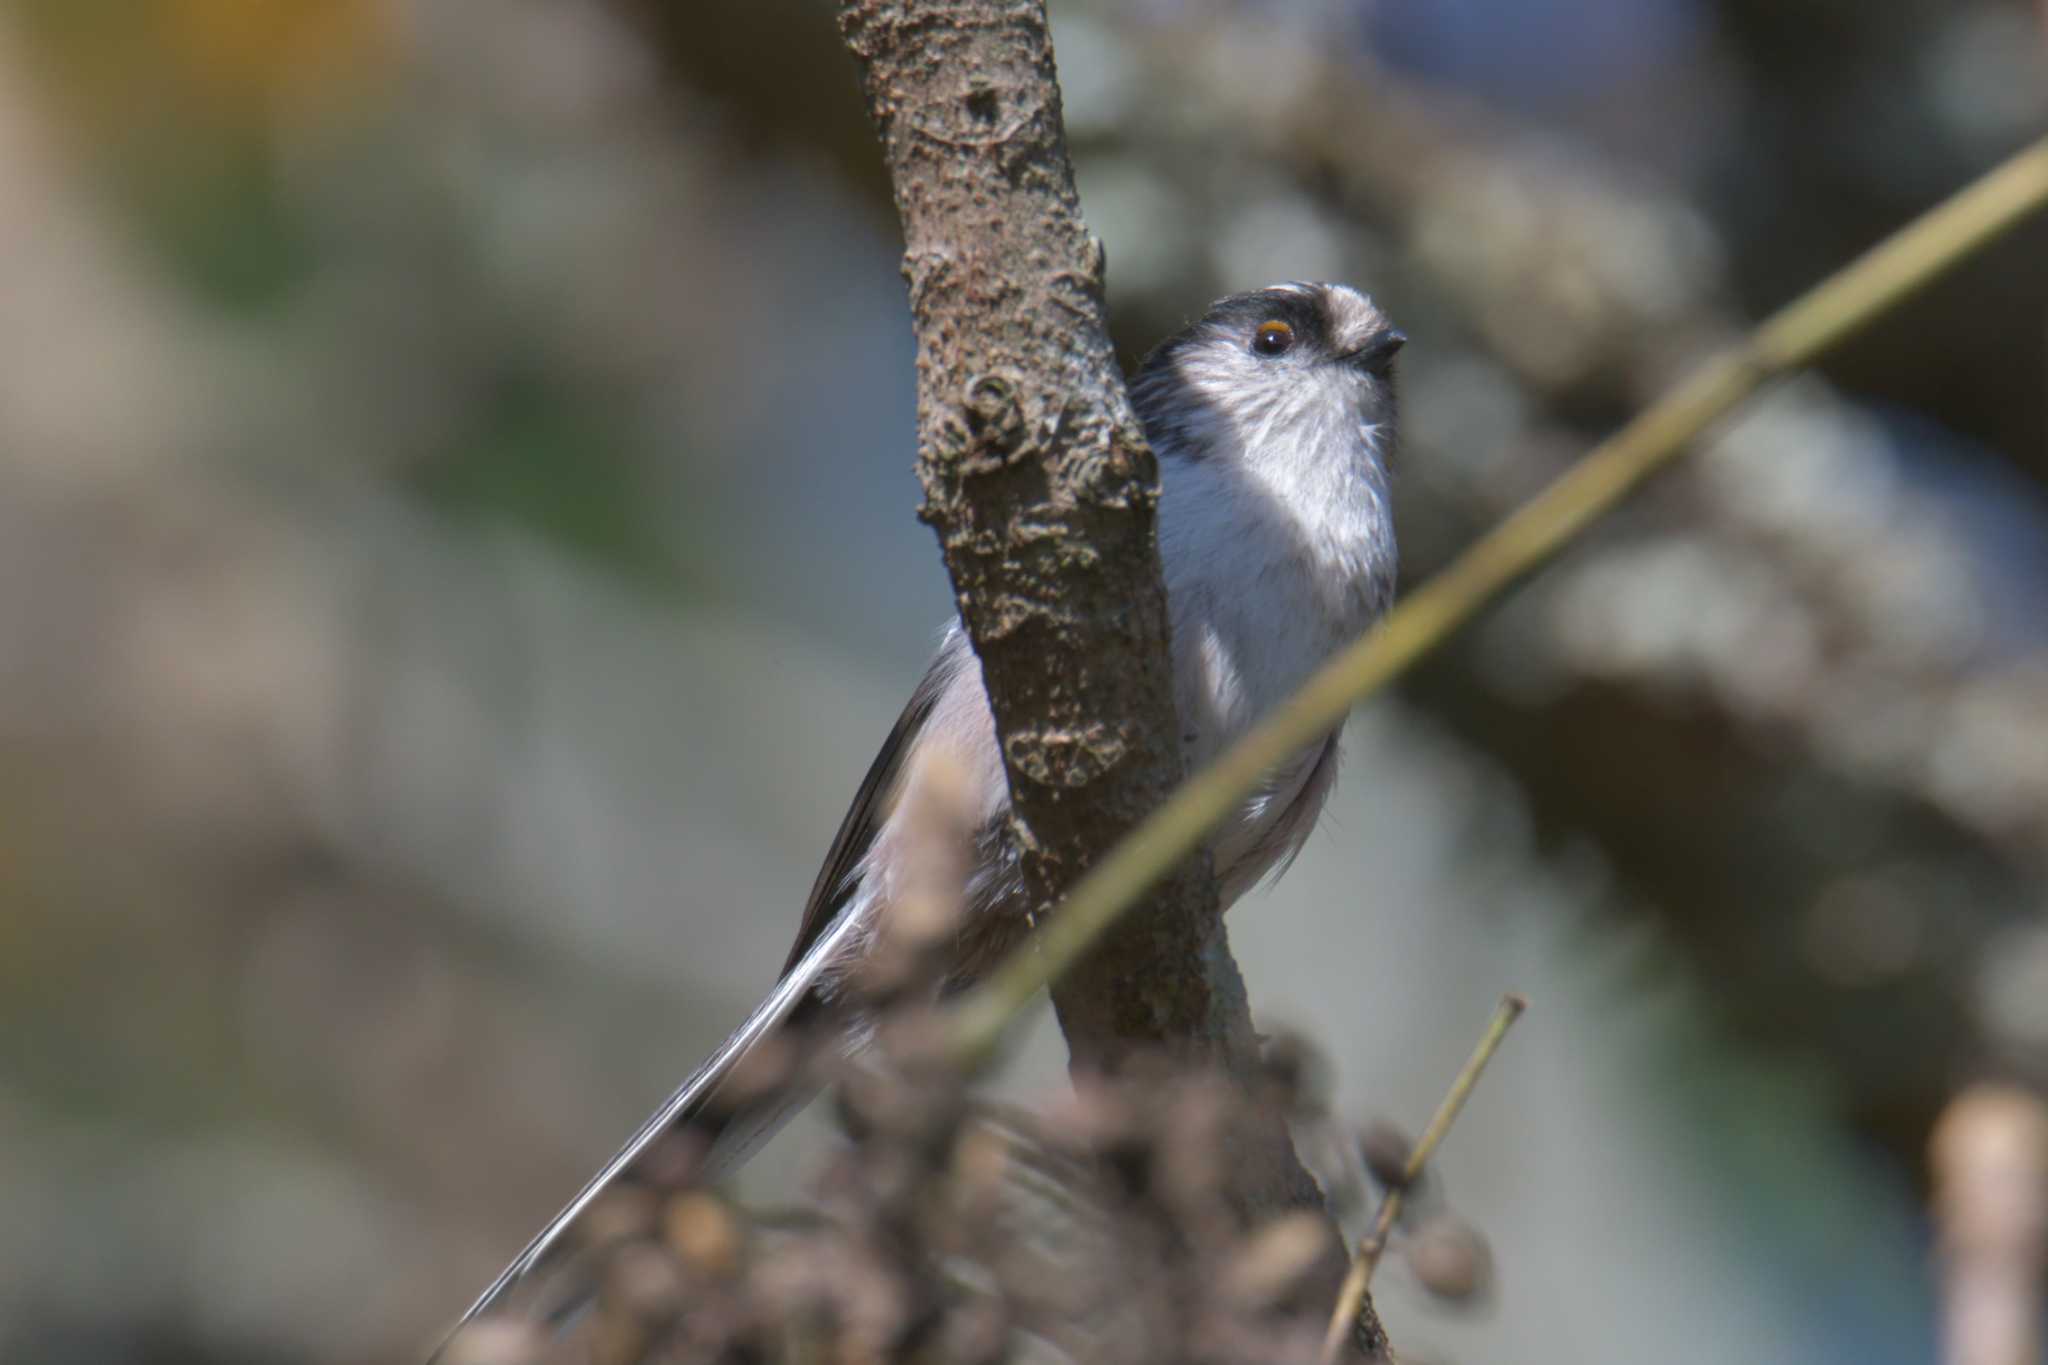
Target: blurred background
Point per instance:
(457, 559)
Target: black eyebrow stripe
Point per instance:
(1306, 313)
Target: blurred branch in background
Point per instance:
(1989, 1155)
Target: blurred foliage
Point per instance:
(183, 102)
(548, 464)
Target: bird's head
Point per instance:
(1279, 376)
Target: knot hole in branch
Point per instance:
(994, 418)
(983, 104)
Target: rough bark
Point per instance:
(1040, 486)
(1037, 478)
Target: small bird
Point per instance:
(1273, 420)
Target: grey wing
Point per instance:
(1282, 827)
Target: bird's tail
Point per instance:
(735, 1133)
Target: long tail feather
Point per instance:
(738, 1136)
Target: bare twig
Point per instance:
(1836, 308)
(1359, 1280)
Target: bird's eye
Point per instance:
(1272, 338)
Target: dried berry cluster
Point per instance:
(947, 1231)
(944, 1230)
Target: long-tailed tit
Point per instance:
(1273, 421)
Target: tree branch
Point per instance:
(1042, 490)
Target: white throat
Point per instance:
(1278, 551)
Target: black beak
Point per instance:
(1377, 355)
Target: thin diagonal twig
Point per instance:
(1806, 328)
(1375, 1242)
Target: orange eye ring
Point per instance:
(1274, 337)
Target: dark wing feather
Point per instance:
(870, 807)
